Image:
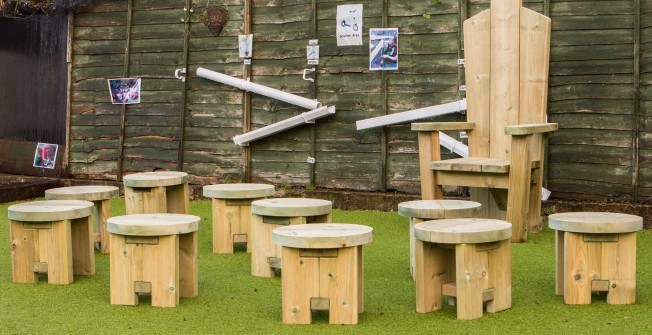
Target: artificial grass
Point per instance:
(232, 301)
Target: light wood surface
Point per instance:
(506, 66)
(469, 230)
(155, 179)
(469, 274)
(424, 210)
(529, 129)
(596, 251)
(50, 210)
(518, 195)
(477, 164)
(88, 193)
(154, 263)
(334, 279)
(322, 235)
(60, 248)
(239, 191)
(289, 207)
(153, 254)
(158, 224)
(439, 126)
(231, 218)
(100, 195)
(478, 73)
(439, 209)
(265, 255)
(101, 213)
(595, 222)
(145, 200)
(429, 150)
(534, 66)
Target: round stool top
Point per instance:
(157, 224)
(239, 191)
(322, 235)
(439, 209)
(456, 231)
(289, 207)
(595, 222)
(50, 210)
(88, 193)
(155, 179)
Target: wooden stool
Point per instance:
(424, 210)
(268, 214)
(322, 270)
(466, 259)
(153, 254)
(596, 252)
(232, 213)
(157, 192)
(53, 237)
(100, 196)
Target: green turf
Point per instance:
(232, 301)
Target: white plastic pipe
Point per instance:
(259, 89)
(307, 117)
(453, 145)
(463, 151)
(421, 113)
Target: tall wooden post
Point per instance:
(123, 111)
(246, 113)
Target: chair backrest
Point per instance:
(507, 49)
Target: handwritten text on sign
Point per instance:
(349, 25)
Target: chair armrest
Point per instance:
(530, 129)
(439, 126)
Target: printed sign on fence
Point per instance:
(349, 25)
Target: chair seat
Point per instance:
(476, 164)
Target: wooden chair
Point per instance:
(507, 50)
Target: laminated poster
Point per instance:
(349, 25)
(383, 49)
(245, 43)
(45, 155)
(125, 90)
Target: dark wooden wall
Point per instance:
(601, 72)
(33, 78)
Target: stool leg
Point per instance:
(161, 268)
(470, 282)
(245, 222)
(500, 277)
(59, 252)
(223, 218)
(103, 214)
(341, 276)
(178, 199)
(413, 221)
(83, 256)
(325, 218)
(559, 261)
(582, 261)
(300, 282)
(429, 270)
(23, 253)
(188, 269)
(125, 269)
(145, 200)
(619, 267)
(262, 247)
(360, 254)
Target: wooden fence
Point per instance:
(600, 93)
